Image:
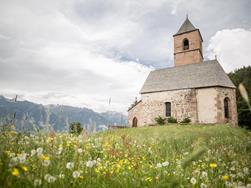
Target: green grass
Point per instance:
(163, 156)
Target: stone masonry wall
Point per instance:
(222, 94)
(192, 55)
(183, 104)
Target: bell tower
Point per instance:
(187, 45)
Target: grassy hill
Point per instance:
(167, 156)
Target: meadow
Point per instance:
(161, 156)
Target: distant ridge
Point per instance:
(28, 114)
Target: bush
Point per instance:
(75, 128)
(186, 120)
(172, 120)
(159, 120)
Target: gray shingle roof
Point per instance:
(206, 74)
(186, 27)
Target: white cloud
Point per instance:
(83, 52)
(232, 48)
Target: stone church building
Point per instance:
(193, 88)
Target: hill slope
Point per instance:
(28, 114)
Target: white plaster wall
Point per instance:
(206, 104)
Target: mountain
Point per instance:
(27, 116)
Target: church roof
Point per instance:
(187, 26)
(198, 75)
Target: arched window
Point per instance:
(168, 109)
(226, 107)
(185, 44)
(134, 122)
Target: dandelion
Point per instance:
(61, 176)
(24, 168)
(90, 163)
(159, 165)
(225, 177)
(70, 165)
(39, 151)
(45, 157)
(22, 157)
(203, 185)
(37, 182)
(33, 152)
(80, 150)
(165, 163)
(60, 149)
(193, 181)
(246, 170)
(46, 163)
(49, 178)
(76, 174)
(213, 165)
(15, 172)
(204, 174)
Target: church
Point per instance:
(195, 89)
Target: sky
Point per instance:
(86, 53)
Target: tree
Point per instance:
(75, 128)
(242, 75)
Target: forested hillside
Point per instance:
(243, 76)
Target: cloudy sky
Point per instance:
(83, 52)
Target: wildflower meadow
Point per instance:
(161, 156)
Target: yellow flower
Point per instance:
(24, 168)
(213, 165)
(148, 179)
(225, 177)
(45, 157)
(15, 172)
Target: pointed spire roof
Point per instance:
(186, 27)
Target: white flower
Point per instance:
(39, 151)
(37, 182)
(246, 170)
(33, 152)
(46, 163)
(75, 174)
(204, 174)
(22, 157)
(80, 150)
(165, 163)
(228, 184)
(203, 185)
(60, 149)
(70, 165)
(240, 174)
(159, 165)
(49, 178)
(61, 176)
(193, 181)
(90, 163)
